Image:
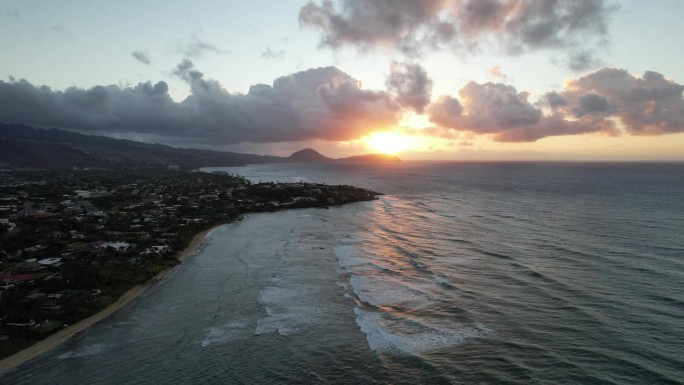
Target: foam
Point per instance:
(224, 333)
(378, 290)
(84, 351)
(345, 251)
(287, 309)
(351, 239)
(286, 321)
(277, 294)
(443, 282)
(349, 256)
(393, 335)
(308, 238)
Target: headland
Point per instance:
(79, 245)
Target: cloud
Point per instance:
(495, 106)
(11, 13)
(410, 84)
(582, 60)
(446, 112)
(141, 57)
(405, 24)
(556, 125)
(649, 105)
(496, 71)
(593, 103)
(197, 48)
(271, 54)
(553, 100)
(319, 103)
(186, 71)
(329, 104)
(504, 113)
(514, 26)
(55, 31)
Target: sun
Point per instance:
(388, 142)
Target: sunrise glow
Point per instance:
(389, 142)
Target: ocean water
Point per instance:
(463, 273)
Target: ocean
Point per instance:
(462, 273)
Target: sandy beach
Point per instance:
(65, 334)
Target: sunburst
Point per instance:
(388, 142)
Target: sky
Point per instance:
(429, 79)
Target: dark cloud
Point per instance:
(594, 103)
(533, 24)
(404, 24)
(649, 105)
(446, 112)
(582, 60)
(328, 104)
(101, 108)
(410, 84)
(320, 103)
(591, 104)
(481, 15)
(556, 125)
(553, 100)
(186, 71)
(515, 26)
(141, 57)
(271, 54)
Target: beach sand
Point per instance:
(63, 335)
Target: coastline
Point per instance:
(54, 340)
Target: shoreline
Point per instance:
(56, 339)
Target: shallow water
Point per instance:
(463, 273)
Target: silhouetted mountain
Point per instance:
(46, 155)
(25, 146)
(22, 145)
(308, 155)
(312, 156)
(370, 158)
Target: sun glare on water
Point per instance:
(388, 142)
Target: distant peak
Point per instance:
(305, 151)
(308, 155)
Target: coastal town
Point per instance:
(72, 242)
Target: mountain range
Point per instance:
(25, 146)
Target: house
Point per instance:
(51, 262)
(117, 246)
(36, 295)
(93, 295)
(159, 249)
